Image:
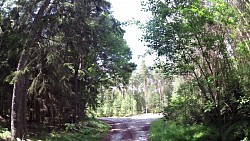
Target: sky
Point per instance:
(125, 10)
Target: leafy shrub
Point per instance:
(90, 130)
(185, 107)
(239, 130)
(161, 130)
(4, 133)
(70, 126)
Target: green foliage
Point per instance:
(239, 130)
(140, 103)
(185, 106)
(70, 126)
(154, 103)
(149, 88)
(73, 49)
(207, 41)
(4, 133)
(161, 130)
(117, 104)
(91, 130)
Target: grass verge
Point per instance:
(90, 130)
(161, 130)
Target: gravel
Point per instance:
(134, 128)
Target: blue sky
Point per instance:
(125, 10)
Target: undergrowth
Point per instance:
(161, 130)
(89, 130)
(4, 133)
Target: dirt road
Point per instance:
(135, 128)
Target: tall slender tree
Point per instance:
(67, 51)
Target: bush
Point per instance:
(185, 107)
(90, 130)
(239, 130)
(161, 130)
(4, 133)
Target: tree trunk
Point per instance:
(38, 112)
(18, 107)
(76, 91)
(1, 104)
(145, 95)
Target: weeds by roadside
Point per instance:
(161, 130)
(90, 130)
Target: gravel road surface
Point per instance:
(134, 128)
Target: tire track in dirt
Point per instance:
(135, 128)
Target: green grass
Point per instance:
(161, 130)
(90, 130)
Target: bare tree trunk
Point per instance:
(18, 107)
(145, 95)
(1, 104)
(76, 98)
(38, 112)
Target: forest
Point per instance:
(207, 43)
(65, 62)
(56, 56)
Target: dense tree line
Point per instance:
(148, 91)
(55, 57)
(206, 42)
